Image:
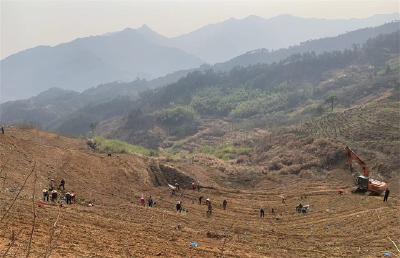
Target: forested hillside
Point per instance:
(269, 95)
(69, 112)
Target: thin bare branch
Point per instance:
(19, 192)
(227, 239)
(53, 229)
(4, 175)
(34, 216)
(13, 239)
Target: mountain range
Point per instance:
(73, 113)
(87, 62)
(143, 53)
(222, 41)
(343, 41)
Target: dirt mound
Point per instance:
(164, 174)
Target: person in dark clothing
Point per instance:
(150, 201)
(262, 213)
(299, 208)
(387, 192)
(2, 130)
(54, 196)
(224, 203)
(51, 185)
(200, 199)
(209, 208)
(45, 195)
(68, 198)
(62, 184)
(179, 206)
(273, 211)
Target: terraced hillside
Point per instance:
(373, 129)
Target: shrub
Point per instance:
(116, 146)
(176, 116)
(226, 152)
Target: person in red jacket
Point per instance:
(142, 201)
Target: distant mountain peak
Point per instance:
(144, 27)
(253, 17)
(146, 31)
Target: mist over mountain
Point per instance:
(143, 53)
(343, 41)
(222, 41)
(86, 62)
(72, 113)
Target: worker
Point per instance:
(45, 195)
(193, 186)
(73, 200)
(142, 201)
(150, 202)
(224, 203)
(62, 184)
(179, 206)
(51, 185)
(272, 210)
(262, 213)
(299, 208)
(2, 130)
(177, 186)
(54, 195)
(209, 207)
(173, 192)
(200, 199)
(68, 198)
(387, 192)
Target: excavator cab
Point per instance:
(362, 183)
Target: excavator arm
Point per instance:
(352, 156)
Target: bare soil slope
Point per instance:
(117, 226)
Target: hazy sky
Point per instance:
(29, 23)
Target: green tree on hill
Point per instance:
(332, 100)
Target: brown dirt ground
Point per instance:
(345, 225)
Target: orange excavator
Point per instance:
(364, 182)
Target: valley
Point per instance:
(291, 122)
